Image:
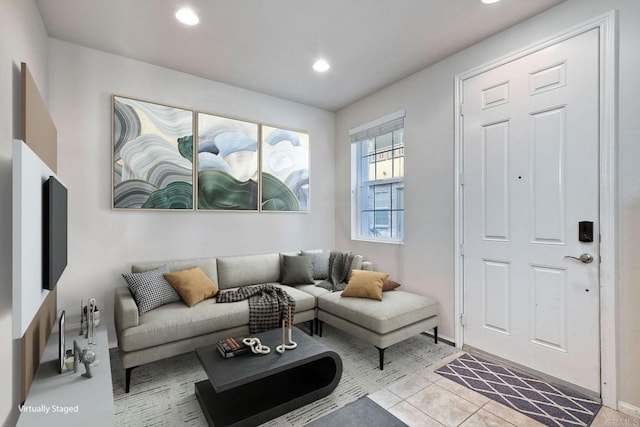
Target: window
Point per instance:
(377, 153)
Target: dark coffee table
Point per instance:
(251, 389)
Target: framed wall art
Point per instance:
(152, 156)
(285, 170)
(227, 161)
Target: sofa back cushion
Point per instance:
(208, 265)
(297, 270)
(248, 270)
(320, 262)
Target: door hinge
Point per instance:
(461, 179)
(461, 249)
(461, 319)
(462, 108)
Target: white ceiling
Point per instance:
(269, 45)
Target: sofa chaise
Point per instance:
(175, 328)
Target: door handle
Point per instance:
(586, 258)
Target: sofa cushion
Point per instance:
(320, 263)
(150, 289)
(304, 300)
(297, 270)
(396, 310)
(248, 270)
(314, 290)
(365, 284)
(192, 284)
(208, 265)
(281, 255)
(356, 264)
(174, 322)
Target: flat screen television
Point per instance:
(54, 242)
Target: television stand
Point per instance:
(70, 398)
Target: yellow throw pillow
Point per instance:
(192, 284)
(365, 284)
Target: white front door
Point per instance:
(530, 176)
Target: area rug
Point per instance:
(544, 402)
(162, 393)
(362, 412)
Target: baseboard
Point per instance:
(628, 409)
(445, 339)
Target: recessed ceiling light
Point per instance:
(321, 65)
(187, 16)
(490, 1)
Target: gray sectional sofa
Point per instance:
(175, 328)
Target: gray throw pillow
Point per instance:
(320, 263)
(150, 289)
(298, 270)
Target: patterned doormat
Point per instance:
(533, 397)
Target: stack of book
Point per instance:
(231, 347)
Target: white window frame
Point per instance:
(373, 128)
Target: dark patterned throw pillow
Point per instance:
(150, 289)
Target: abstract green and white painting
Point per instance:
(285, 170)
(152, 156)
(227, 164)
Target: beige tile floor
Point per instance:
(427, 399)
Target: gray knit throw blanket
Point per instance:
(339, 268)
(267, 305)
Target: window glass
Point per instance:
(380, 186)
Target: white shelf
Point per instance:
(89, 401)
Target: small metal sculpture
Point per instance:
(86, 357)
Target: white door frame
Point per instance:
(607, 24)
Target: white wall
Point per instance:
(22, 39)
(102, 242)
(425, 262)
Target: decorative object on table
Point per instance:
(61, 343)
(230, 347)
(86, 357)
(82, 323)
(152, 156)
(90, 313)
(89, 319)
(227, 151)
(292, 344)
(256, 345)
(96, 316)
(69, 360)
(285, 170)
(281, 349)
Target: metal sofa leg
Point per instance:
(381, 354)
(128, 378)
(435, 334)
(319, 329)
(311, 327)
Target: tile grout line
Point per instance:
(458, 396)
(496, 415)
